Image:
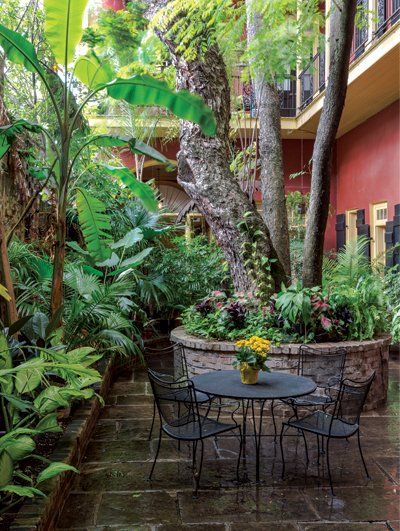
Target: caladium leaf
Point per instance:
(49, 424)
(6, 468)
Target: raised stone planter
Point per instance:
(362, 358)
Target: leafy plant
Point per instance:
(63, 26)
(199, 265)
(34, 383)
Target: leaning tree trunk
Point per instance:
(271, 154)
(341, 35)
(8, 309)
(204, 173)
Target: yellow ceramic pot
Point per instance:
(248, 375)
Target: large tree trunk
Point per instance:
(271, 154)
(203, 167)
(8, 309)
(341, 35)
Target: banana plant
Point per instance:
(63, 29)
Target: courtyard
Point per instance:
(113, 491)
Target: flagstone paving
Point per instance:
(113, 492)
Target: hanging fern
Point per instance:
(95, 225)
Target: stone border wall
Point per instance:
(362, 358)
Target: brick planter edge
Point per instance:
(362, 358)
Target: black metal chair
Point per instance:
(169, 361)
(180, 419)
(342, 423)
(326, 368)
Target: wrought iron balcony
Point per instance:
(312, 79)
(287, 96)
(388, 12)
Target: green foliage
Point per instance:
(64, 28)
(197, 25)
(95, 224)
(144, 90)
(285, 37)
(92, 72)
(199, 266)
(34, 383)
(221, 318)
(19, 50)
(350, 264)
(258, 266)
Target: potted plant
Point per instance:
(251, 358)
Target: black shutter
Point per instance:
(340, 231)
(363, 230)
(396, 234)
(389, 243)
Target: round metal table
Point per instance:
(270, 386)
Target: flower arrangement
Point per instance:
(251, 358)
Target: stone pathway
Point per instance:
(112, 491)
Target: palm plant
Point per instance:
(351, 263)
(63, 27)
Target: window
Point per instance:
(378, 228)
(351, 225)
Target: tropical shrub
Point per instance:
(223, 318)
(190, 269)
(64, 34)
(34, 383)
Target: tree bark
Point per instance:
(342, 26)
(203, 166)
(8, 308)
(271, 154)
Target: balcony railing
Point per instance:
(388, 14)
(312, 79)
(287, 96)
(360, 37)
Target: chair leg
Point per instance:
(153, 420)
(273, 419)
(197, 473)
(305, 446)
(282, 454)
(318, 463)
(328, 465)
(240, 452)
(362, 456)
(157, 452)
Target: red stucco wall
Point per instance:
(368, 163)
(113, 4)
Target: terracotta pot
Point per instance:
(248, 375)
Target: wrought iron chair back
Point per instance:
(176, 401)
(350, 401)
(170, 360)
(325, 367)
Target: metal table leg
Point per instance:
(257, 434)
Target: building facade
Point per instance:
(365, 188)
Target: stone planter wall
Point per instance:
(362, 358)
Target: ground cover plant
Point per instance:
(352, 304)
